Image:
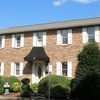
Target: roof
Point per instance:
(37, 54)
(55, 25)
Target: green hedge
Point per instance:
(25, 90)
(88, 88)
(34, 88)
(15, 87)
(59, 87)
(10, 81)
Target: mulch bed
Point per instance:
(17, 94)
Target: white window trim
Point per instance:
(97, 34)
(3, 42)
(13, 69)
(14, 42)
(2, 68)
(59, 69)
(85, 34)
(35, 40)
(69, 70)
(59, 37)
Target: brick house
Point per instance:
(27, 51)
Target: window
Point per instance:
(64, 37)
(40, 39)
(64, 68)
(64, 34)
(91, 34)
(17, 68)
(0, 41)
(18, 40)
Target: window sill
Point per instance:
(64, 45)
(17, 47)
(17, 75)
(1, 48)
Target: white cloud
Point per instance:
(84, 1)
(58, 2)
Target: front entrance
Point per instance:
(38, 71)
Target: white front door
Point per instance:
(38, 71)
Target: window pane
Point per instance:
(91, 33)
(64, 36)
(40, 38)
(17, 68)
(64, 68)
(65, 40)
(18, 40)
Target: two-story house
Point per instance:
(27, 51)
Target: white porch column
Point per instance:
(33, 73)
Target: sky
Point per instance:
(28, 12)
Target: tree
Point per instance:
(88, 66)
(89, 87)
(88, 61)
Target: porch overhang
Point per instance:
(37, 54)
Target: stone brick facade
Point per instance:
(57, 53)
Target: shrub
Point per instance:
(25, 81)
(1, 86)
(25, 88)
(56, 83)
(88, 61)
(34, 88)
(13, 79)
(88, 88)
(1, 89)
(25, 91)
(16, 86)
(59, 91)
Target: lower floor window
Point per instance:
(64, 68)
(17, 68)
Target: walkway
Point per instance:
(16, 96)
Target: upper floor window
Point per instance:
(64, 34)
(18, 40)
(1, 68)
(39, 39)
(17, 68)
(2, 41)
(90, 34)
(64, 68)
(64, 37)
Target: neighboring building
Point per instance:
(27, 51)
